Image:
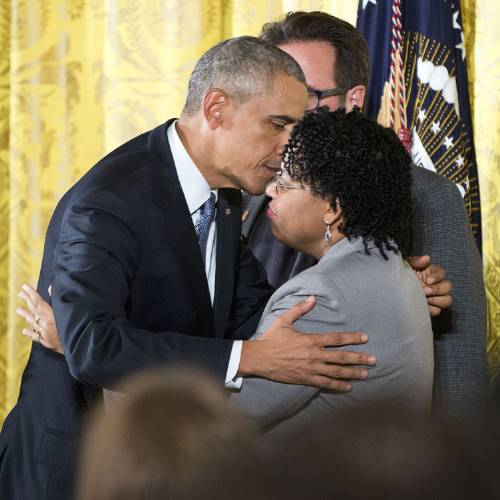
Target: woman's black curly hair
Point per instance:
(363, 166)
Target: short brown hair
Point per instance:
(351, 49)
(170, 436)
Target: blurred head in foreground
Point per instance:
(171, 436)
(386, 453)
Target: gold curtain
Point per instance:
(79, 77)
(482, 39)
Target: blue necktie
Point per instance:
(207, 213)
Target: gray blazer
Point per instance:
(441, 230)
(355, 292)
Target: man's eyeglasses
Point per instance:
(315, 96)
(282, 187)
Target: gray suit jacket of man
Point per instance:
(441, 230)
(355, 292)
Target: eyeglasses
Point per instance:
(282, 187)
(315, 96)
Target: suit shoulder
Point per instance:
(127, 157)
(427, 183)
(123, 171)
(126, 169)
(316, 280)
(438, 204)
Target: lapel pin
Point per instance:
(228, 211)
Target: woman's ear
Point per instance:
(213, 105)
(333, 215)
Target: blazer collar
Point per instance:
(177, 227)
(228, 242)
(346, 247)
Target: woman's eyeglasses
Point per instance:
(282, 186)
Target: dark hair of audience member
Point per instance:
(172, 436)
(352, 65)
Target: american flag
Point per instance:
(418, 86)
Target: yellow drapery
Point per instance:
(482, 41)
(79, 77)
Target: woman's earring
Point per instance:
(328, 234)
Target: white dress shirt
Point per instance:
(197, 191)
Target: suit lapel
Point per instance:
(228, 239)
(177, 228)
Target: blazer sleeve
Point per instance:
(94, 268)
(271, 402)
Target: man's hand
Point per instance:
(433, 280)
(285, 355)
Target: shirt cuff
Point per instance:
(232, 381)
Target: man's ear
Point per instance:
(355, 97)
(214, 102)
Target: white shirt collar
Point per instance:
(194, 186)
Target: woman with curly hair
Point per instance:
(343, 197)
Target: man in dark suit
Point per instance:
(142, 274)
(335, 60)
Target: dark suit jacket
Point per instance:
(441, 230)
(129, 291)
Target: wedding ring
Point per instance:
(37, 334)
(37, 330)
